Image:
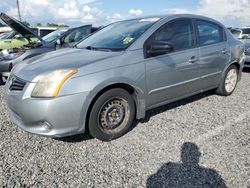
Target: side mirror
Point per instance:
(39, 43)
(160, 48)
(58, 42)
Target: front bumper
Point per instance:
(54, 117)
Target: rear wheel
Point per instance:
(229, 82)
(112, 115)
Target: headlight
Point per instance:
(50, 85)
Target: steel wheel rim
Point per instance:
(231, 80)
(114, 114)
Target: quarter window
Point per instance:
(209, 33)
(179, 34)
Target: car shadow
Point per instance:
(187, 173)
(149, 114)
(76, 138)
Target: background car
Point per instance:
(21, 35)
(244, 36)
(245, 32)
(43, 31)
(61, 38)
(236, 32)
(4, 29)
(119, 72)
(14, 40)
(246, 42)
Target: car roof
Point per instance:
(176, 16)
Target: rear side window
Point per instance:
(77, 35)
(209, 33)
(179, 34)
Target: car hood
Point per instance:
(69, 58)
(19, 27)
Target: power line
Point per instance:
(18, 9)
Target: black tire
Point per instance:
(221, 90)
(1, 80)
(116, 105)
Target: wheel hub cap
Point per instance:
(231, 80)
(112, 113)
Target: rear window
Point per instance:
(209, 33)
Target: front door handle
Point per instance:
(193, 59)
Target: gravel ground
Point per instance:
(207, 127)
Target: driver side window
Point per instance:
(179, 34)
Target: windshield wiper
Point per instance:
(98, 49)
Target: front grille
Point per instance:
(17, 84)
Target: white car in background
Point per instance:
(5, 29)
(245, 32)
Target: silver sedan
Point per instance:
(120, 72)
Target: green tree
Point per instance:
(38, 24)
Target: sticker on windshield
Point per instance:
(149, 20)
(127, 40)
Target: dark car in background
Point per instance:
(60, 38)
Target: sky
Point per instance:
(235, 13)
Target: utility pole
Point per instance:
(18, 9)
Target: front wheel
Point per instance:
(229, 82)
(112, 115)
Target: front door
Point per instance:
(174, 74)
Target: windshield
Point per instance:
(52, 37)
(117, 36)
(246, 30)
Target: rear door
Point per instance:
(174, 74)
(214, 52)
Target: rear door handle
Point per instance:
(193, 59)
